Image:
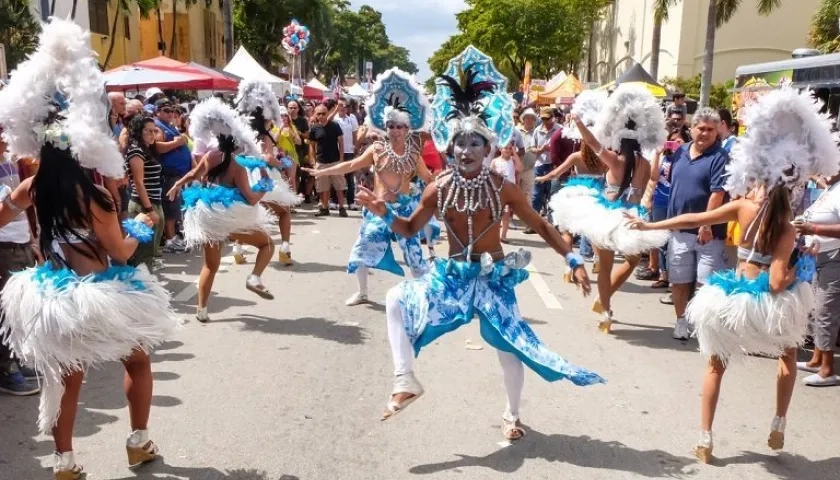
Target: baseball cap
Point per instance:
(163, 102)
(546, 112)
(153, 91)
(150, 108)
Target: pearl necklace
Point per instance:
(469, 196)
(404, 165)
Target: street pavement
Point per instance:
(293, 389)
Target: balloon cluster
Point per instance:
(295, 38)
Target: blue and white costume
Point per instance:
(458, 289)
(213, 212)
(279, 192)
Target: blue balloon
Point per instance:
(294, 40)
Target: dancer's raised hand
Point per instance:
(370, 201)
(314, 172)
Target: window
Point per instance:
(127, 27)
(98, 12)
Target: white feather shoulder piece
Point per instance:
(253, 94)
(636, 103)
(587, 107)
(784, 129)
(212, 117)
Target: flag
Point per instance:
(335, 86)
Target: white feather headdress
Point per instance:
(631, 104)
(253, 94)
(212, 117)
(63, 64)
(787, 141)
(587, 107)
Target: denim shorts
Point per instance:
(688, 261)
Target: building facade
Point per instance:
(625, 35)
(199, 30)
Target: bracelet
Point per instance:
(389, 216)
(573, 260)
(138, 230)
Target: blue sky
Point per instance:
(421, 26)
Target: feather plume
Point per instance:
(587, 107)
(631, 103)
(212, 117)
(253, 94)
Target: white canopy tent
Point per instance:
(315, 83)
(243, 65)
(356, 90)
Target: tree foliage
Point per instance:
(548, 33)
(342, 39)
(720, 97)
(18, 31)
(825, 31)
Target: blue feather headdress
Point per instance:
(477, 102)
(397, 98)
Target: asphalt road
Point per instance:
(293, 388)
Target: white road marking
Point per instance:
(504, 444)
(542, 289)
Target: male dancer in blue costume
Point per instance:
(477, 279)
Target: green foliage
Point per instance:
(721, 95)
(825, 32)
(548, 33)
(18, 31)
(342, 39)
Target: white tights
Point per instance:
(513, 372)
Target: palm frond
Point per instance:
(661, 9)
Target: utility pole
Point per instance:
(45, 10)
(227, 15)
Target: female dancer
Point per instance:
(763, 305)
(256, 100)
(397, 106)
(77, 309)
(226, 207)
(477, 279)
(630, 122)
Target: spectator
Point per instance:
(507, 165)
(697, 178)
(287, 140)
(116, 120)
(17, 252)
(118, 110)
(153, 95)
(326, 146)
(146, 185)
(727, 139)
(560, 149)
(305, 183)
(349, 126)
(529, 159)
(678, 106)
(176, 160)
(541, 147)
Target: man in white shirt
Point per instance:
(349, 125)
(17, 252)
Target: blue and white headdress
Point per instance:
(788, 140)
(57, 96)
(587, 107)
(471, 97)
(397, 98)
(254, 94)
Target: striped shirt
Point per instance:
(151, 175)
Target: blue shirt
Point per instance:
(694, 181)
(178, 160)
(662, 192)
(729, 143)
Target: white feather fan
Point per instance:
(212, 117)
(636, 103)
(587, 107)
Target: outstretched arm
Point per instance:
(199, 171)
(15, 202)
(342, 168)
(407, 227)
(608, 157)
(563, 168)
(723, 214)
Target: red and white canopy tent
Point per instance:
(170, 74)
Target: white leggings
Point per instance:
(513, 371)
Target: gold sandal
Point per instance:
(146, 452)
(703, 449)
(776, 440)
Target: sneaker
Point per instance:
(322, 212)
(158, 264)
(333, 206)
(529, 231)
(353, 207)
(342, 212)
(29, 373)
(172, 246)
(357, 299)
(681, 329)
(666, 299)
(12, 382)
(201, 315)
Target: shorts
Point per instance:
(171, 209)
(323, 184)
(688, 261)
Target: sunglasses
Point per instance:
(396, 127)
(166, 110)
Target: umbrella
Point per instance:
(126, 78)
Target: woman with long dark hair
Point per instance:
(82, 306)
(224, 206)
(763, 305)
(631, 121)
(146, 184)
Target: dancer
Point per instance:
(226, 207)
(763, 305)
(631, 122)
(477, 279)
(589, 169)
(398, 107)
(77, 309)
(257, 101)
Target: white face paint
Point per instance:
(470, 150)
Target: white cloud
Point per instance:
(421, 26)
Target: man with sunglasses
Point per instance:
(326, 146)
(176, 160)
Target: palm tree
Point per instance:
(124, 8)
(719, 13)
(660, 16)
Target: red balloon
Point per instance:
(301, 34)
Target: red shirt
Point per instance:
(431, 157)
(560, 148)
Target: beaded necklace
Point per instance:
(404, 165)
